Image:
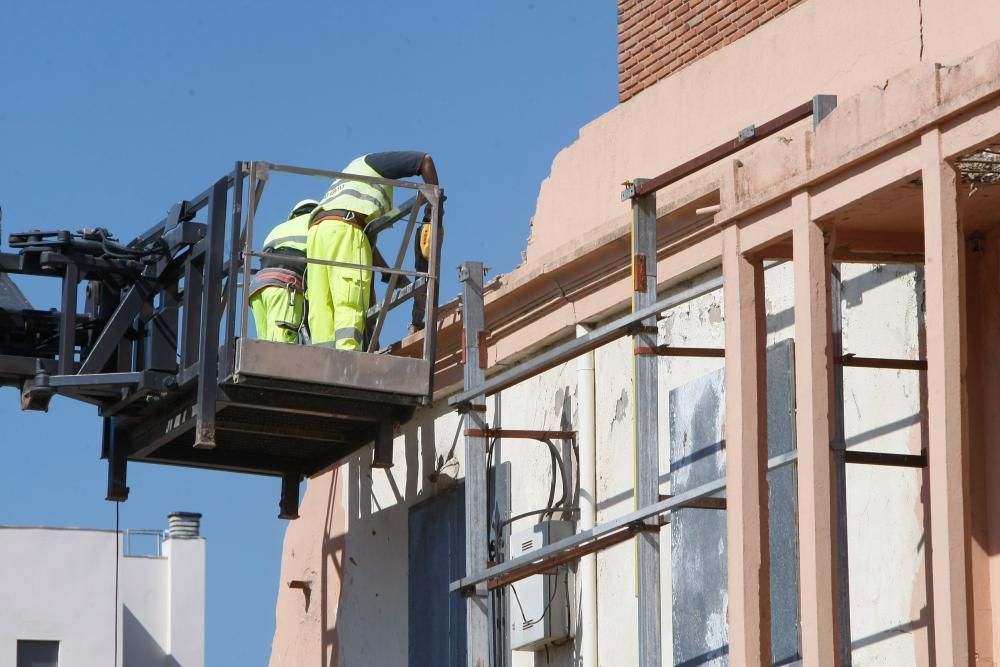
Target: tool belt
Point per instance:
(340, 215)
(277, 277)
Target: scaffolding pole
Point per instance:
(839, 463)
(645, 424)
(476, 548)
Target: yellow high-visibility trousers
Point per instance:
(338, 296)
(274, 306)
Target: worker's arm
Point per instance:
(404, 164)
(428, 171)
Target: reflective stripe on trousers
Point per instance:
(338, 296)
(349, 333)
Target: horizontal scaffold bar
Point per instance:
(598, 537)
(591, 341)
(519, 434)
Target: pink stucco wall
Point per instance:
(819, 47)
(314, 552)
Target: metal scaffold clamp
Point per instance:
(629, 191)
(261, 170)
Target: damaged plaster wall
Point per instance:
(358, 561)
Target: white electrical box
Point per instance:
(538, 606)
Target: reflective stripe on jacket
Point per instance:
(289, 234)
(368, 199)
(277, 277)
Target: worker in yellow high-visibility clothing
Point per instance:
(276, 296)
(338, 296)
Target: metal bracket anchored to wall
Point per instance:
(746, 134)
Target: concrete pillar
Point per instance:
(814, 432)
(947, 458)
(746, 457)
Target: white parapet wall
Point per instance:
(59, 586)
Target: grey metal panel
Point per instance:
(11, 297)
(436, 556)
(782, 505)
(698, 537)
(324, 365)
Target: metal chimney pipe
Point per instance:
(183, 525)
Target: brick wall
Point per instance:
(659, 37)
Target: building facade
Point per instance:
(869, 190)
(61, 605)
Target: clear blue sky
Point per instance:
(111, 111)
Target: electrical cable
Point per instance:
(114, 249)
(562, 476)
(565, 509)
(548, 604)
(118, 536)
(552, 486)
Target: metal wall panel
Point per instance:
(436, 558)
(698, 536)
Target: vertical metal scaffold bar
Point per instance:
(839, 463)
(947, 456)
(67, 343)
(233, 274)
(645, 424)
(211, 307)
(433, 288)
(476, 552)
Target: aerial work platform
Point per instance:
(163, 346)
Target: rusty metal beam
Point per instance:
(519, 434)
(747, 137)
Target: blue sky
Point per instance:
(112, 111)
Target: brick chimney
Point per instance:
(658, 37)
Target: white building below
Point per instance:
(59, 606)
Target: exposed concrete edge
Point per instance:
(955, 89)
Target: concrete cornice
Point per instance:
(539, 303)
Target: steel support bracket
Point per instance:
(629, 190)
(382, 451)
(262, 170)
(288, 506)
(822, 106)
(117, 455)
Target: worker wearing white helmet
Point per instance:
(277, 294)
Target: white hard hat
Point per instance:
(303, 206)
